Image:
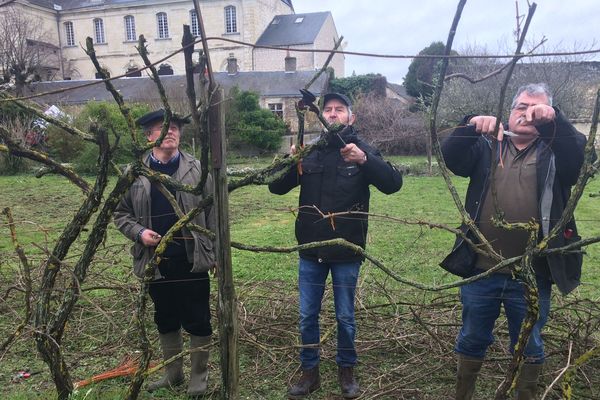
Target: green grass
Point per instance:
(42, 207)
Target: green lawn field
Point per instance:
(405, 335)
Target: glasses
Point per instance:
(522, 107)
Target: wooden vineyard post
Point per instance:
(227, 304)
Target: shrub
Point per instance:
(390, 126)
(11, 165)
(356, 85)
(18, 123)
(248, 124)
(107, 116)
(62, 146)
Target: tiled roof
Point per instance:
(293, 29)
(269, 84)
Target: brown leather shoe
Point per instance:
(309, 381)
(349, 386)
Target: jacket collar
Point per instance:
(186, 163)
(337, 140)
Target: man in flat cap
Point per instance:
(334, 178)
(180, 288)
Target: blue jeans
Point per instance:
(481, 301)
(311, 284)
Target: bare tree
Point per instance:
(473, 87)
(395, 131)
(25, 53)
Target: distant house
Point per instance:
(398, 92)
(298, 32)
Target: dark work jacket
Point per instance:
(560, 154)
(332, 185)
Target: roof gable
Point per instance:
(293, 29)
(288, 3)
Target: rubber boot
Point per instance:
(171, 344)
(466, 376)
(527, 381)
(199, 370)
(348, 385)
(308, 383)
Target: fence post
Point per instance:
(227, 304)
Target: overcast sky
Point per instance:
(407, 26)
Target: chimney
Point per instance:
(232, 67)
(290, 64)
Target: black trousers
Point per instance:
(181, 299)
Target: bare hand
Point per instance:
(213, 269)
(351, 153)
(485, 125)
(149, 238)
(539, 114)
(293, 149)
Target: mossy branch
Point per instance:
(143, 51)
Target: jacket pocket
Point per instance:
(311, 168)
(574, 257)
(204, 257)
(141, 256)
(462, 260)
(348, 170)
(348, 179)
(137, 250)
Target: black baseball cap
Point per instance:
(148, 119)
(343, 98)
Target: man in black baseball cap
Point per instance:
(334, 178)
(180, 288)
(339, 96)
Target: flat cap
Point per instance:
(343, 98)
(159, 115)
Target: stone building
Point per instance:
(115, 26)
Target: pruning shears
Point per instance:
(507, 133)
(308, 101)
(305, 103)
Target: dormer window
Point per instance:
(165, 69)
(299, 20)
